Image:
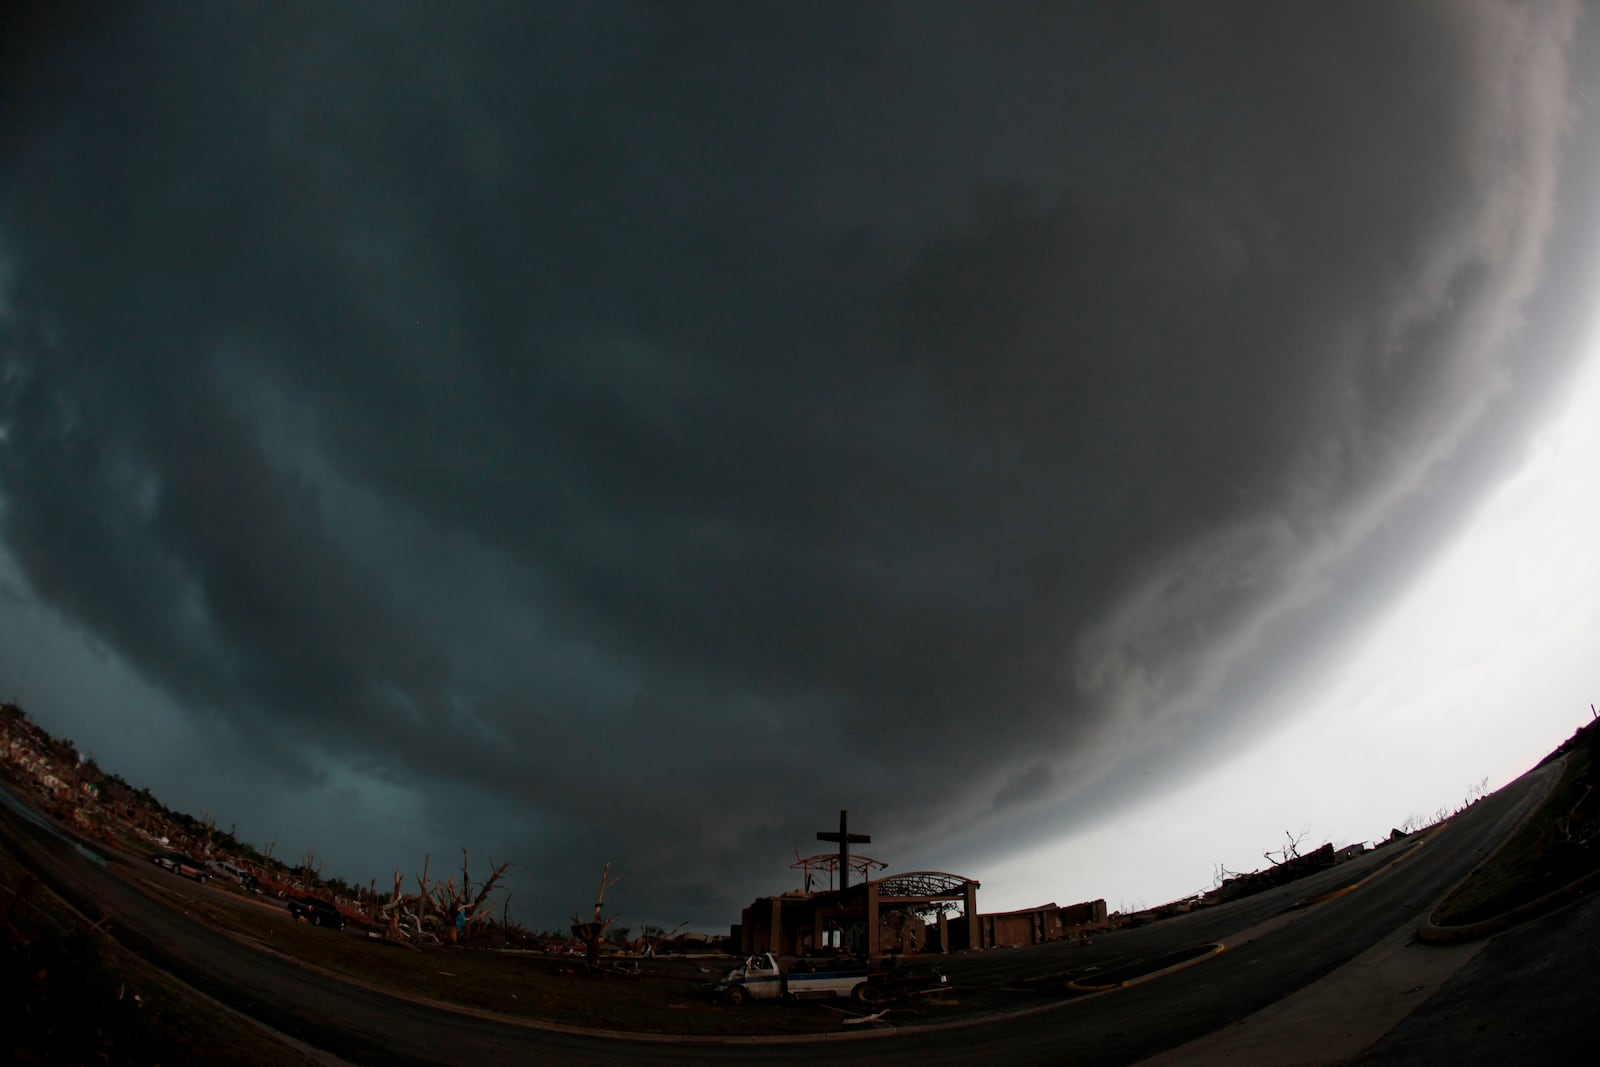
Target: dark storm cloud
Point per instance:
(658, 426)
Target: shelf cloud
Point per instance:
(633, 432)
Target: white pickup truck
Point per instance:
(760, 978)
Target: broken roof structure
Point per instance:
(906, 912)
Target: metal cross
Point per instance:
(845, 839)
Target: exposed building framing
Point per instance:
(812, 869)
(871, 918)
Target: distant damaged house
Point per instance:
(1245, 885)
(1035, 926)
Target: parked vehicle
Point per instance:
(316, 911)
(180, 864)
(761, 978)
(237, 874)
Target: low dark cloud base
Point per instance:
(640, 430)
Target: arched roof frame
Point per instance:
(922, 886)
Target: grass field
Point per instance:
(84, 999)
(1559, 844)
(665, 995)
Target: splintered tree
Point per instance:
(652, 937)
(429, 916)
(404, 924)
(467, 902)
(310, 869)
(208, 828)
(1290, 849)
(591, 933)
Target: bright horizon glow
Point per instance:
(1478, 670)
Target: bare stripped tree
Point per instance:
(1289, 850)
(310, 867)
(404, 925)
(429, 916)
(651, 938)
(471, 903)
(592, 932)
(208, 827)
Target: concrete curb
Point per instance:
(1203, 952)
(1432, 933)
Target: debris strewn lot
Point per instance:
(668, 994)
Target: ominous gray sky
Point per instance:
(634, 432)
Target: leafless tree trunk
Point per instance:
(429, 916)
(1290, 849)
(311, 867)
(591, 933)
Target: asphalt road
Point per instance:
(1271, 948)
(1530, 997)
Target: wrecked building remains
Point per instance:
(900, 914)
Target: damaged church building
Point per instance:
(908, 913)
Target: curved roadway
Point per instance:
(1271, 948)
